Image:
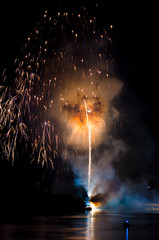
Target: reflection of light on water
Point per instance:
(90, 227)
(91, 222)
(127, 233)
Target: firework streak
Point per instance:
(61, 90)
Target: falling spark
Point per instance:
(90, 161)
(63, 63)
(89, 137)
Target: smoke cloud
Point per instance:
(69, 66)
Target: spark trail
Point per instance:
(60, 99)
(90, 160)
(90, 147)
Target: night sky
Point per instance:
(134, 39)
(135, 57)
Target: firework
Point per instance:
(11, 122)
(62, 89)
(89, 136)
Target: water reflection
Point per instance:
(102, 225)
(96, 225)
(127, 233)
(90, 224)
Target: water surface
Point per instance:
(97, 225)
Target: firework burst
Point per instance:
(64, 66)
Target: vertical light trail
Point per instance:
(90, 147)
(90, 160)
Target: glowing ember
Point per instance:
(61, 92)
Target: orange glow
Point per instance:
(79, 125)
(95, 205)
